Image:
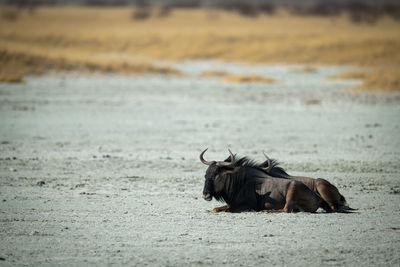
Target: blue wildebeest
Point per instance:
(245, 186)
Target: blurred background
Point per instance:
(135, 36)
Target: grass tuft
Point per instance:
(214, 73)
(353, 74)
(16, 65)
(383, 79)
(308, 69)
(251, 78)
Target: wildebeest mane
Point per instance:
(244, 162)
(275, 170)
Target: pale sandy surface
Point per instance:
(123, 183)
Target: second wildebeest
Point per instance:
(322, 187)
(244, 186)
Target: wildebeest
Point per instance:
(322, 187)
(244, 186)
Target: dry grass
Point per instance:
(111, 37)
(353, 74)
(251, 78)
(11, 77)
(214, 73)
(384, 79)
(231, 78)
(381, 79)
(308, 69)
(15, 65)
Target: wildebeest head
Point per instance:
(214, 171)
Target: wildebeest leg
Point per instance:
(221, 209)
(238, 209)
(289, 206)
(300, 198)
(329, 193)
(271, 207)
(290, 197)
(228, 208)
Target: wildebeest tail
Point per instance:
(344, 205)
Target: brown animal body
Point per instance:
(244, 187)
(322, 187)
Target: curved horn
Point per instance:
(203, 160)
(268, 161)
(226, 164)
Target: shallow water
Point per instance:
(123, 183)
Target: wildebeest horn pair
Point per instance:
(219, 163)
(266, 163)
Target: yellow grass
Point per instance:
(11, 77)
(353, 74)
(308, 69)
(384, 79)
(110, 36)
(227, 77)
(251, 78)
(214, 73)
(15, 65)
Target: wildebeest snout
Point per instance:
(207, 196)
